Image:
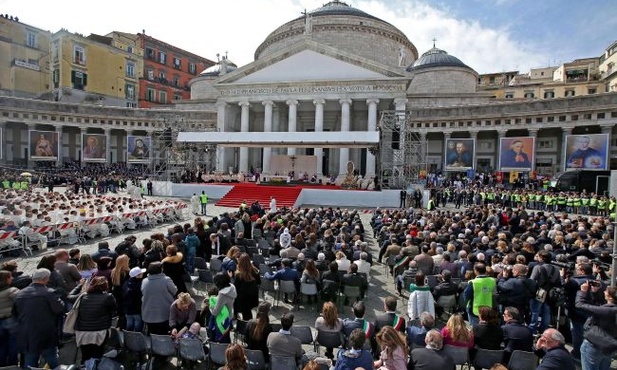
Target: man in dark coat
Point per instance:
(431, 357)
(389, 317)
(104, 251)
(37, 309)
(355, 279)
(556, 356)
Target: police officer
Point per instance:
(203, 199)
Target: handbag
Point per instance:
(71, 317)
(541, 295)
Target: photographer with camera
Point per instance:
(515, 289)
(572, 285)
(600, 343)
(547, 277)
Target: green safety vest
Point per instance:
(16, 185)
(593, 202)
(577, 202)
(6, 184)
(601, 204)
(203, 198)
(585, 201)
(24, 185)
(483, 289)
(431, 205)
(611, 205)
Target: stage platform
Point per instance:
(309, 194)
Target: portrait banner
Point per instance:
(516, 153)
(44, 145)
(588, 152)
(138, 148)
(460, 154)
(93, 147)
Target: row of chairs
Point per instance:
(186, 350)
(485, 359)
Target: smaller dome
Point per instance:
(215, 70)
(436, 58)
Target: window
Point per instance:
(150, 94)
(177, 63)
(177, 97)
(491, 80)
(529, 95)
(549, 94)
(546, 144)
(176, 81)
(31, 40)
(591, 91)
(79, 55)
(151, 74)
(485, 145)
(162, 76)
(569, 93)
(150, 53)
(509, 95)
(130, 69)
(129, 49)
(131, 105)
(163, 97)
(192, 68)
(55, 77)
(162, 57)
(129, 90)
(79, 79)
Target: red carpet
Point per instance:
(284, 195)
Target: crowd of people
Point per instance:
(491, 276)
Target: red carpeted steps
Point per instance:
(284, 195)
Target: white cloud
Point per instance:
(206, 28)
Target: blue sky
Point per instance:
(487, 35)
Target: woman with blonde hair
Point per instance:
(329, 322)
(393, 350)
(456, 332)
(182, 314)
(119, 275)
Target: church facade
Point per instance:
(330, 73)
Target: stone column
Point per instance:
(345, 124)
(446, 136)
(276, 124)
(220, 127)
(107, 132)
(371, 127)
(267, 152)
(80, 147)
(565, 131)
(60, 146)
(293, 110)
(533, 132)
(319, 107)
(244, 127)
(3, 150)
(500, 134)
(607, 129)
(400, 105)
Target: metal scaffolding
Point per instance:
(172, 159)
(401, 155)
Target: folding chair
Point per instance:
(460, 355)
(523, 360)
(163, 345)
(268, 286)
(432, 281)
(256, 359)
(309, 290)
(200, 263)
(191, 350)
(287, 287)
(240, 330)
(350, 292)
(486, 358)
(203, 276)
(282, 363)
(327, 339)
(215, 264)
(217, 353)
(136, 342)
(304, 333)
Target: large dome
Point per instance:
(436, 58)
(345, 28)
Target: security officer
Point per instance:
(203, 199)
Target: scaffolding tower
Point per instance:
(173, 159)
(401, 155)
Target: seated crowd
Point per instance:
(507, 287)
(81, 215)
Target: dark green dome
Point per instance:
(436, 58)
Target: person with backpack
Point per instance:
(546, 277)
(192, 243)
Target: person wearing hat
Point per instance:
(37, 310)
(131, 299)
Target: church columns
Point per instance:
(60, 146)
(220, 126)
(293, 110)
(345, 124)
(446, 136)
(371, 126)
(244, 127)
(107, 132)
(607, 129)
(319, 106)
(267, 152)
(500, 134)
(80, 147)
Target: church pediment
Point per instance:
(309, 61)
